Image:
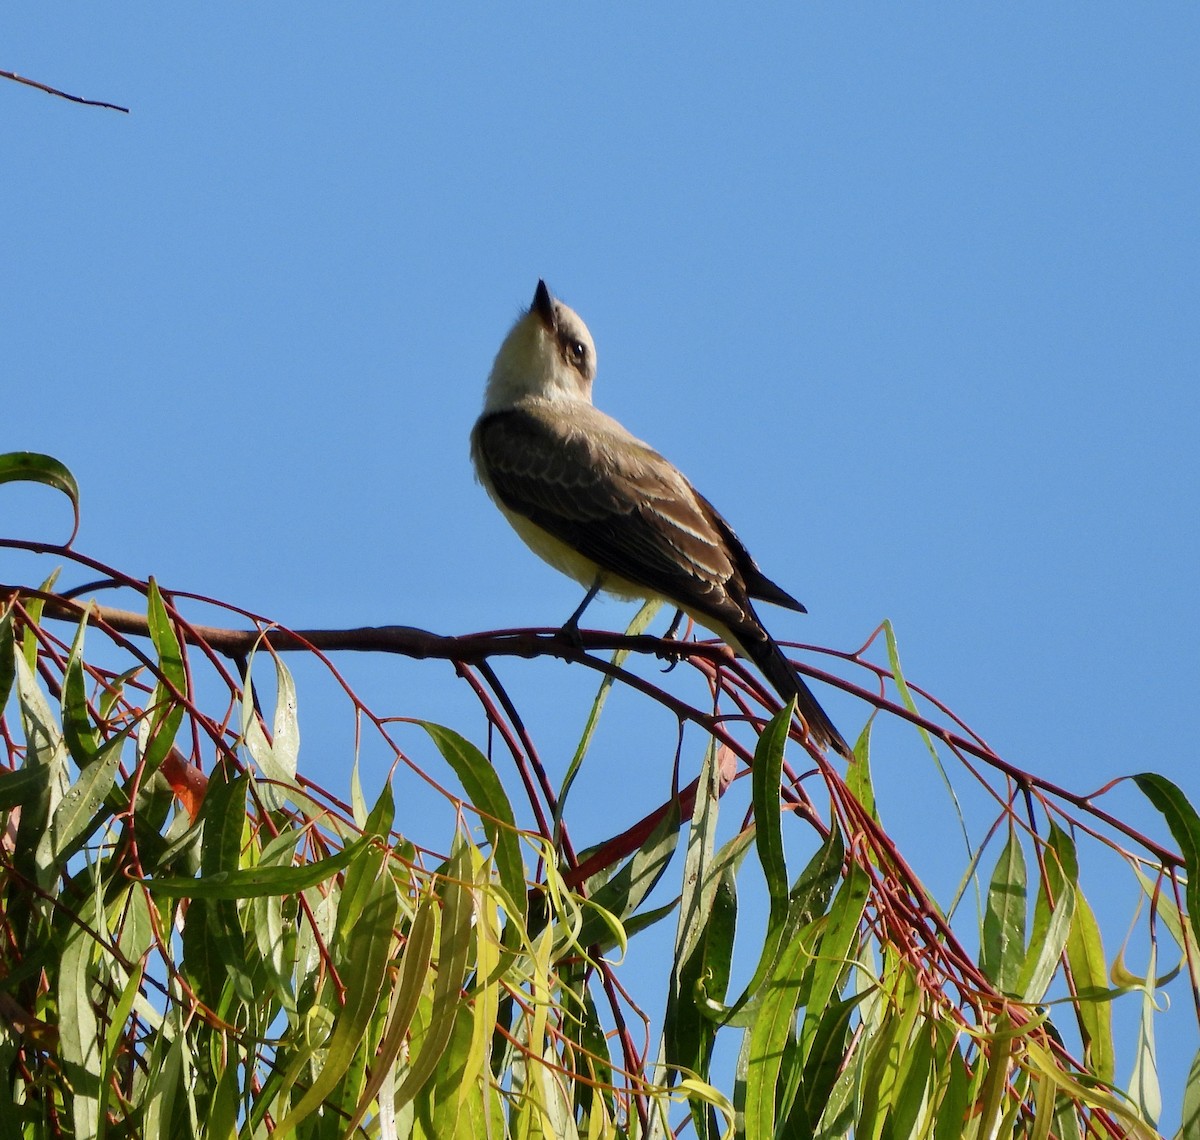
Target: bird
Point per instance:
(605, 508)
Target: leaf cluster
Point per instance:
(195, 940)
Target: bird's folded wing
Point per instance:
(615, 501)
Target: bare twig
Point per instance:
(61, 94)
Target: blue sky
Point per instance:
(910, 292)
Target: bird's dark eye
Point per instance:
(578, 352)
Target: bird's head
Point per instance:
(548, 353)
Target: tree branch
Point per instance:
(61, 94)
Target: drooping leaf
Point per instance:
(1143, 1084)
(1085, 953)
(688, 1036)
(20, 786)
(8, 665)
(641, 620)
(768, 834)
(837, 943)
(76, 817)
(411, 982)
(253, 882)
(30, 467)
(703, 982)
(79, 1029)
(81, 737)
(453, 953)
(371, 942)
(625, 891)
(1184, 823)
(224, 815)
(486, 792)
(1002, 952)
(1190, 1126)
(166, 701)
(823, 1061)
(1052, 914)
(808, 898)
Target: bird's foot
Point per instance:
(672, 657)
(571, 635)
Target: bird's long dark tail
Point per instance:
(771, 660)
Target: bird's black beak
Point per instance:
(543, 305)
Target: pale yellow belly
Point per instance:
(571, 562)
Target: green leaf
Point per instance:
(45, 748)
(358, 887)
(253, 882)
(838, 1114)
(414, 974)
(379, 821)
(769, 1034)
(203, 959)
(79, 1030)
(951, 1116)
(911, 1111)
(276, 941)
(1184, 823)
(453, 953)
(224, 817)
(1045, 949)
(637, 877)
(1143, 1084)
(858, 772)
(367, 956)
(8, 665)
(887, 1060)
(906, 698)
(768, 834)
(687, 1035)
(81, 737)
(1003, 950)
(362, 873)
(75, 815)
(1190, 1126)
(285, 728)
(222, 1122)
(168, 709)
(1085, 954)
(690, 1034)
(808, 898)
(486, 792)
(30, 467)
(1052, 914)
(824, 1059)
(23, 785)
(276, 758)
(699, 882)
(837, 943)
(117, 1029)
(641, 620)
(1063, 847)
(34, 606)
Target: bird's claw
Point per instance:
(672, 630)
(571, 635)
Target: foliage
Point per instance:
(195, 940)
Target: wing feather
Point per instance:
(616, 501)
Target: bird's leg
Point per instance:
(673, 628)
(570, 629)
(672, 659)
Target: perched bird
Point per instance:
(603, 507)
